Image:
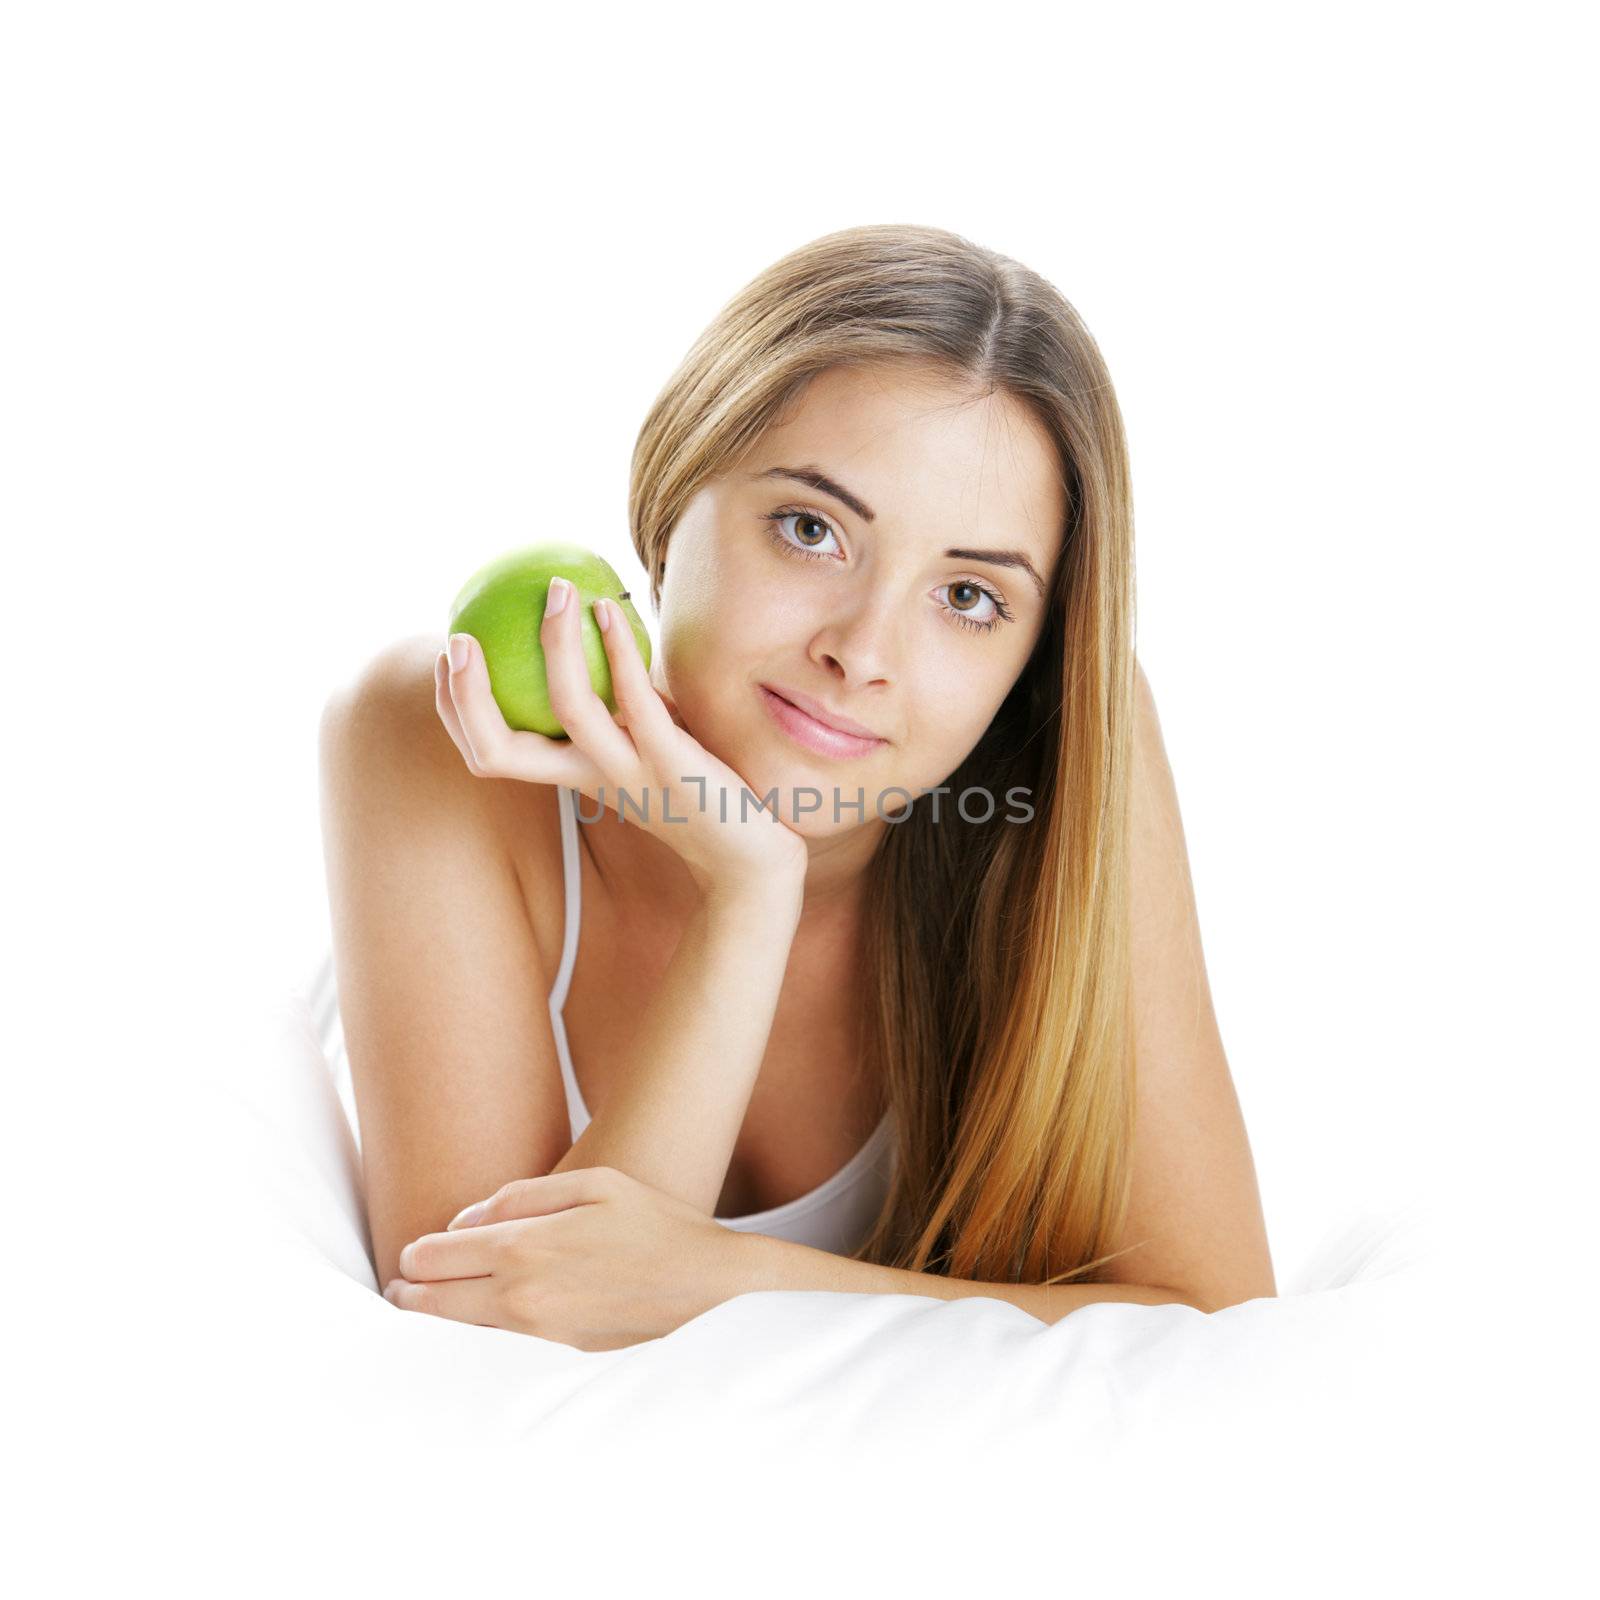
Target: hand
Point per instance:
(646, 750)
(589, 1257)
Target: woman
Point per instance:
(887, 487)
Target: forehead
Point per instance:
(920, 449)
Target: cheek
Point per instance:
(728, 612)
(713, 651)
(714, 638)
(951, 707)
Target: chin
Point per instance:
(801, 784)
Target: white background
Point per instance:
(312, 309)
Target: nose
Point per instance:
(858, 645)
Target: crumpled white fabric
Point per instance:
(1358, 1428)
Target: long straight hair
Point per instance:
(996, 994)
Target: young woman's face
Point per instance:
(883, 601)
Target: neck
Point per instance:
(836, 873)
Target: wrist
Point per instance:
(768, 1262)
(767, 897)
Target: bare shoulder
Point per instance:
(387, 715)
(392, 693)
(1195, 1211)
(443, 975)
(1143, 698)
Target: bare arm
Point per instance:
(782, 1264)
(457, 1085)
(673, 1119)
(672, 1116)
(1194, 1208)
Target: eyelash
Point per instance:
(773, 518)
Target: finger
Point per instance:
(537, 1197)
(446, 708)
(464, 1300)
(501, 751)
(466, 1253)
(475, 719)
(643, 708)
(581, 711)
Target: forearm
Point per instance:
(672, 1118)
(782, 1264)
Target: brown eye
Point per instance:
(803, 545)
(968, 616)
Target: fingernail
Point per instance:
(458, 651)
(388, 1291)
(602, 614)
(557, 600)
(465, 1219)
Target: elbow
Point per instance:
(1225, 1299)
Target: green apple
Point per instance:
(502, 607)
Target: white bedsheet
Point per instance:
(1369, 1425)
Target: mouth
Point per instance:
(814, 734)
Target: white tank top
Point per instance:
(838, 1214)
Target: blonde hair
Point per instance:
(996, 1001)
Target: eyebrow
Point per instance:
(821, 481)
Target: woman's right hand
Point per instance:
(646, 751)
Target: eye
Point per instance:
(979, 619)
(776, 519)
(819, 529)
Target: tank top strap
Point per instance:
(571, 880)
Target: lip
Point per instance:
(815, 731)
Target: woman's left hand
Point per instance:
(589, 1257)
